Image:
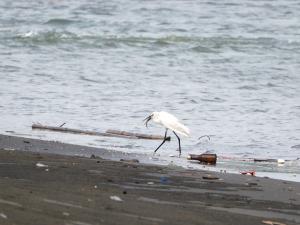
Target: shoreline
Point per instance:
(50, 188)
(270, 170)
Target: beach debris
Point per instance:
(270, 222)
(130, 160)
(26, 142)
(116, 198)
(2, 215)
(249, 172)
(279, 161)
(210, 177)
(150, 183)
(264, 160)
(41, 165)
(108, 133)
(137, 135)
(96, 186)
(204, 158)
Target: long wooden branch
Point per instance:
(108, 133)
(138, 135)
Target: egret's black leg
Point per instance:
(165, 138)
(178, 143)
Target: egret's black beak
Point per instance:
(147, 120)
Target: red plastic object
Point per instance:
(250, 172)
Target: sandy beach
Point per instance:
(40, 186)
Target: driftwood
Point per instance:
(108, 133)
(142, 136)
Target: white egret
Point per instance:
(169, 122)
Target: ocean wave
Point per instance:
(60, 21)
(46, 37)
(190, 43)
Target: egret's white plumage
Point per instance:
(169, 122)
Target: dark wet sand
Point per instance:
(77, 190)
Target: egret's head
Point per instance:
(147, 119)
(152, 116)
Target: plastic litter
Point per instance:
(250, 172)
(41, 165)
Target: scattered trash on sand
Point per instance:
(116, 198)
(150, 183)
(204, 158)
(250, 172)
(41, 165)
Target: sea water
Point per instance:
(228, 69)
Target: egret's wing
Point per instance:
(171, 122)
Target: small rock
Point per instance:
(116, 198)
